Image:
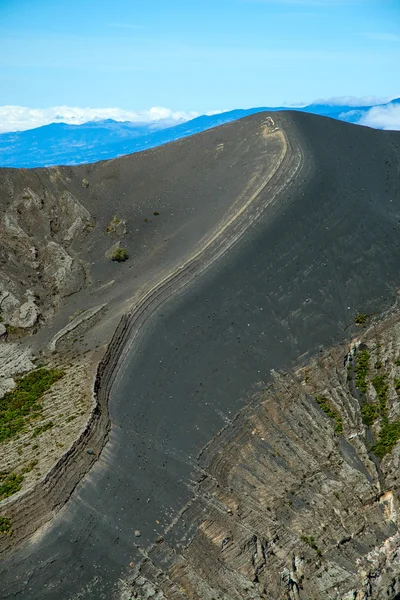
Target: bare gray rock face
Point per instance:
(37, 265)
(13, 360)
(27, 313)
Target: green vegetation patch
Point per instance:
(381, 387)
(362, 370)
(119, 255)
(369, 414)
(389, 435)
(10, 483)
(361, 319)
(310, 541)
(22, 403)
(396, 383)
(5, 526)
(324, 405)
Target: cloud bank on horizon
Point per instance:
(21, 118)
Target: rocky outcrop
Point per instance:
(37, 264)
(14, 360)
(296, 504)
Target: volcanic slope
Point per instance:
(62, 297)
(322, 247)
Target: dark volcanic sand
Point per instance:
(329, 250)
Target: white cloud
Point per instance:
(383, 117)
(18, 118)
(354, 100)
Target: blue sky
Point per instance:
(196, 56)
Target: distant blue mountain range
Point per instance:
(62, 144)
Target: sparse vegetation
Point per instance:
(22, 403)
(119, 255)
(369, 414)
(10, 483)
(115, 221)
(310, 541)
(361, 319)
(361, 370)
(42, 429)
(5, 526)
(389, 435)
(381, 387)
(15, 331)
(31, 465)
(324, 405)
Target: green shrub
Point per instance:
(389, 435)
(396, 383)
(115, 221)
(381, 387)
(361, 319)
(369, 414)
(5, 526)
(362, 370)
(119, 255)
(22, 403)
(10, 483)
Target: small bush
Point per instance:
(113, 224)
(155, 213)
(5, 526)
(369, 414)
(396, 383)
(361, 319)
(119, 255)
